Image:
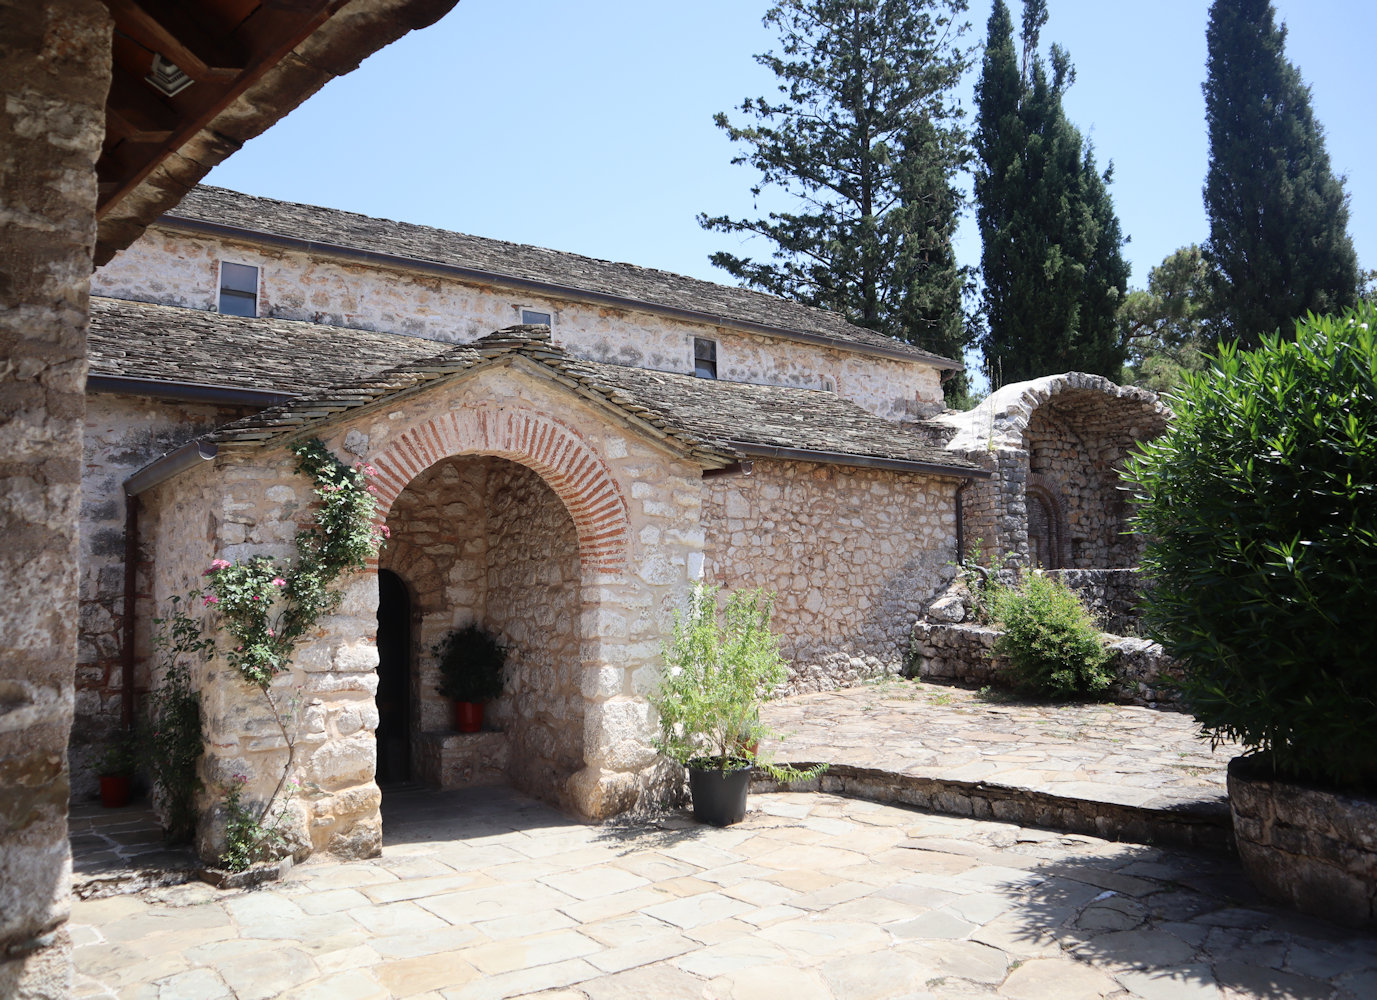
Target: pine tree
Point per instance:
(867, 139)
(1279, 244)
(1051, 256)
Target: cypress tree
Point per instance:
(1279, 244)
(867, 139)
(1051, 244)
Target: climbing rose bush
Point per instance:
(1259, 505)
(267, 605)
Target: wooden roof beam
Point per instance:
(174, 31)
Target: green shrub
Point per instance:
(471, 663)
(1050, 640)
(1260, 508)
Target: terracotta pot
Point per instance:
(719, 797)
(1310, 848)
(468, 716)
(115, 790)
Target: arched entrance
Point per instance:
(485, 540)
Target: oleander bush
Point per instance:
(1259, 504)
(1051, 643)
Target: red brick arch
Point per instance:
(578, 476)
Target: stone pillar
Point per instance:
(54, 74)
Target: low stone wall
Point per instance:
(964, 654)
(1314, 850)
(1112, 595)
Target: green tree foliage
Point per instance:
(1051, 256)
(1257, 504)
(1279, 244)
(866, 139)
(1169, 324)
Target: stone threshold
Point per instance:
(1204, 825)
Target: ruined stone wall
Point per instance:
(122, 434)
(853, 554)
(1072, 443)
(182, 269)
(54, 73)
(482, 539)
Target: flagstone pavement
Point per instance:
(488, 894)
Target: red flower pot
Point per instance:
(468, 716)
(114, 790)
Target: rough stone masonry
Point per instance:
(54, 73)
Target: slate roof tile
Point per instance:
(330, 370)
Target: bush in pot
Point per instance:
(115, 769)
(719, 666)
(1259, 504)
(471, 663)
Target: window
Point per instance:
(238, 289)
(531, 316)
(704, 357)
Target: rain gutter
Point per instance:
(187, 392)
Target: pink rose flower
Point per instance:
(208, 601)
(277, 581)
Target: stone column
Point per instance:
(54, 74)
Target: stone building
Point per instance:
(562, 481)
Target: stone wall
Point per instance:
(853, 554)
(482, 539)
(964, 654)
(54, 73)
(182, 269)
(122, 434)
(1112, 595)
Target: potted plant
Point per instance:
(719, 667)
(471, 661)
(116, 768)
(1257, 505)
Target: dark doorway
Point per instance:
(394, 679)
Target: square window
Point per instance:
(530, 317)
(238, 289)
(704, 357)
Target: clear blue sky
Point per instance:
(588, 127)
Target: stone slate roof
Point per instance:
(330, 370)
(564, 274)
(172, 344)
(712, 421)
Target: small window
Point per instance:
(530, 317)
(704, 357)
(829, 384)
(238, 289)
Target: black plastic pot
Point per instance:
(719, 796)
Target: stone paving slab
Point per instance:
(1121, 771)
(813, 896)
(117, 850)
